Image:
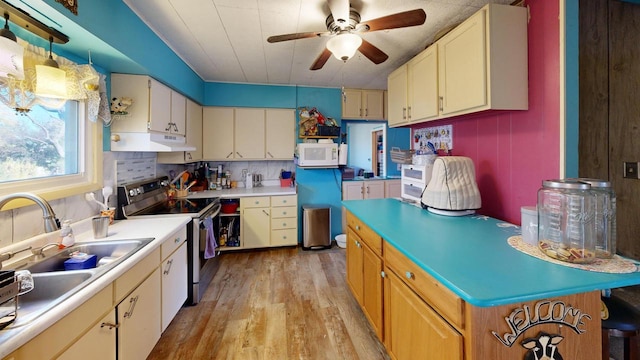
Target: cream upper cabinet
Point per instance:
(479, 65)
(422, 85)
(397, 97)
(363, 104)
(155, 106)
(217, 133)
(193, 137)
(249, 134)
(482, 63)
(280, 133)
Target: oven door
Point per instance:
(202, 270)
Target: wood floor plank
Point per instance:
(273, 304)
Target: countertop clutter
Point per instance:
(159, 228)
(243, 192)
(470, 255)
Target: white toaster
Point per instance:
(452, 186)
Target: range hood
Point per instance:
(149, 142)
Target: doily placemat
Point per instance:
(617, 264)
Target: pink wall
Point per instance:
(514, 151)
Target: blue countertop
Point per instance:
(470, 255)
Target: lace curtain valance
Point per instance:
(83, 82)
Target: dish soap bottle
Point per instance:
(66, 235)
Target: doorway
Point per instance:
(363, 150)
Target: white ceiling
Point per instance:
(225, 40)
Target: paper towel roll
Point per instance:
(342, 154)
(249, 181)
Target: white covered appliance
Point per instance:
(452, 190)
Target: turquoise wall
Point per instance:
(572, 95)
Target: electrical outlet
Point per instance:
(631, 170)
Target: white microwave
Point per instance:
(317, 155)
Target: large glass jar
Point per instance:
(605, 217)
(566, 226)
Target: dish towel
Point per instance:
(210, 243)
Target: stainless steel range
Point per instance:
(149, 198)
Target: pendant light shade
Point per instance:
(6, 32)
(344, 45)
(11, 53)
(51, 81)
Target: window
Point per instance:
(52, 152)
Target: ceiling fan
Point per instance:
(344, 27)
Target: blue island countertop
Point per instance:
(470, 255)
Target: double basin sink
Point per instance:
(53, 284)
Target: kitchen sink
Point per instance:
(53, 284)
(49, 290)
(110, 252)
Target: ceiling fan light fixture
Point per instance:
(344, 45)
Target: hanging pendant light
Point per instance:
(11, 53)
(51, 81)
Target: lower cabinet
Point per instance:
(174, 284)
(268, 221)
(256, 218)
(100, 339)
(284, 220)
(139, 319)
(364, 273)
(412, 329)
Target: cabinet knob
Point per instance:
(176, 240)
(409, 112)
(284, 213)
(382, 274)
(269, 153)
(240, 155)
(358, 227)
(266, 213)
(404, 113)
(409, 275)
(441, 103)
(167, 269)
(132, 305)
(231, 153)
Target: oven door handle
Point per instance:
(215, 210)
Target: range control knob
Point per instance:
(140, 190)
(132, 192)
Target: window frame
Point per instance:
(89, 177)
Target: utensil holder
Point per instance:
(182, 193)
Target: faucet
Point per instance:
(39, 251)
(8, 255)
(51, 224)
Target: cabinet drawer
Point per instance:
(288, 200)
(284, 212)
(445, 302)
(284, 237)
(134, 276)
(173, 242)
(284, 223)
(412, 190)
(365, 233)
(417, 173)
(254, 202)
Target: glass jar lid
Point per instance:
(595, 183)
(566, 184)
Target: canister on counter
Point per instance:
(566, 220)
(605, 216)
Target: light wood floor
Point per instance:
(274, 304)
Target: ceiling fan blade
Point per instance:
(399, 20)
(296, 36)
(321, 60)
(374, 54)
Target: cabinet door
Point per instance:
(354, 265)
(372, 289)
(412, 329)
(352, 104)
(462, 66)
(422, 72)
(178, 113)
(397, 96)
(374, 189)
(159, 106)
(249, 135)
(217, 133)
(194, 131)
(280, 133)
(373, 104)
(174, 284)
(255, 228)
(135, 87)
(392, 188)
(139, 319)
(352, 190)
(100, 339)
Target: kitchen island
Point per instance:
(439, 287)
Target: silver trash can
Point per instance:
(316, 227)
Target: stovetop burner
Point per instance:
(149, 197)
